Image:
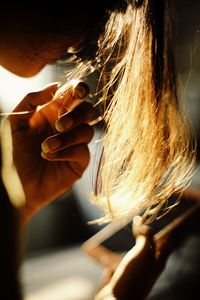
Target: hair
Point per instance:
(148, 152)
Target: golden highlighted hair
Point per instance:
(147, 153)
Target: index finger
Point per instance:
(69, 95)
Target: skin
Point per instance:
(51, 152)
(138, 270)
(27, 44)
(46, 175)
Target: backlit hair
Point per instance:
(148, 154)
(147, 151)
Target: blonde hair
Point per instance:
(148, 154)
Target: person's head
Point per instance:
(32, 36)
(147, 154)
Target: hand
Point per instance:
(138, 270)
(45, 176)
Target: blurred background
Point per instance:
(54, 265)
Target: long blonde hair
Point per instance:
(148, 154)
(147, 151)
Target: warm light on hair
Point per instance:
(147, 153)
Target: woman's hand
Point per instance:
(138, 270)
(48, 172)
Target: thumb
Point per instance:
(29, 104)
(32, 100)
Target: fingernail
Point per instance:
(43, 155)
(48, 156)
(59, 126)
(45, 147)
(82, 89)
(66, 124)
(50, 145)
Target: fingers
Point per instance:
(131, 276)
(32, 100)
(79, 135)
(29, 105)
(141, 266)
(140, 228)
(78, 153)
(141, 254)
(70, 97)
(70, 146)
(81, 90)
(83, 113)
(161, 247)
